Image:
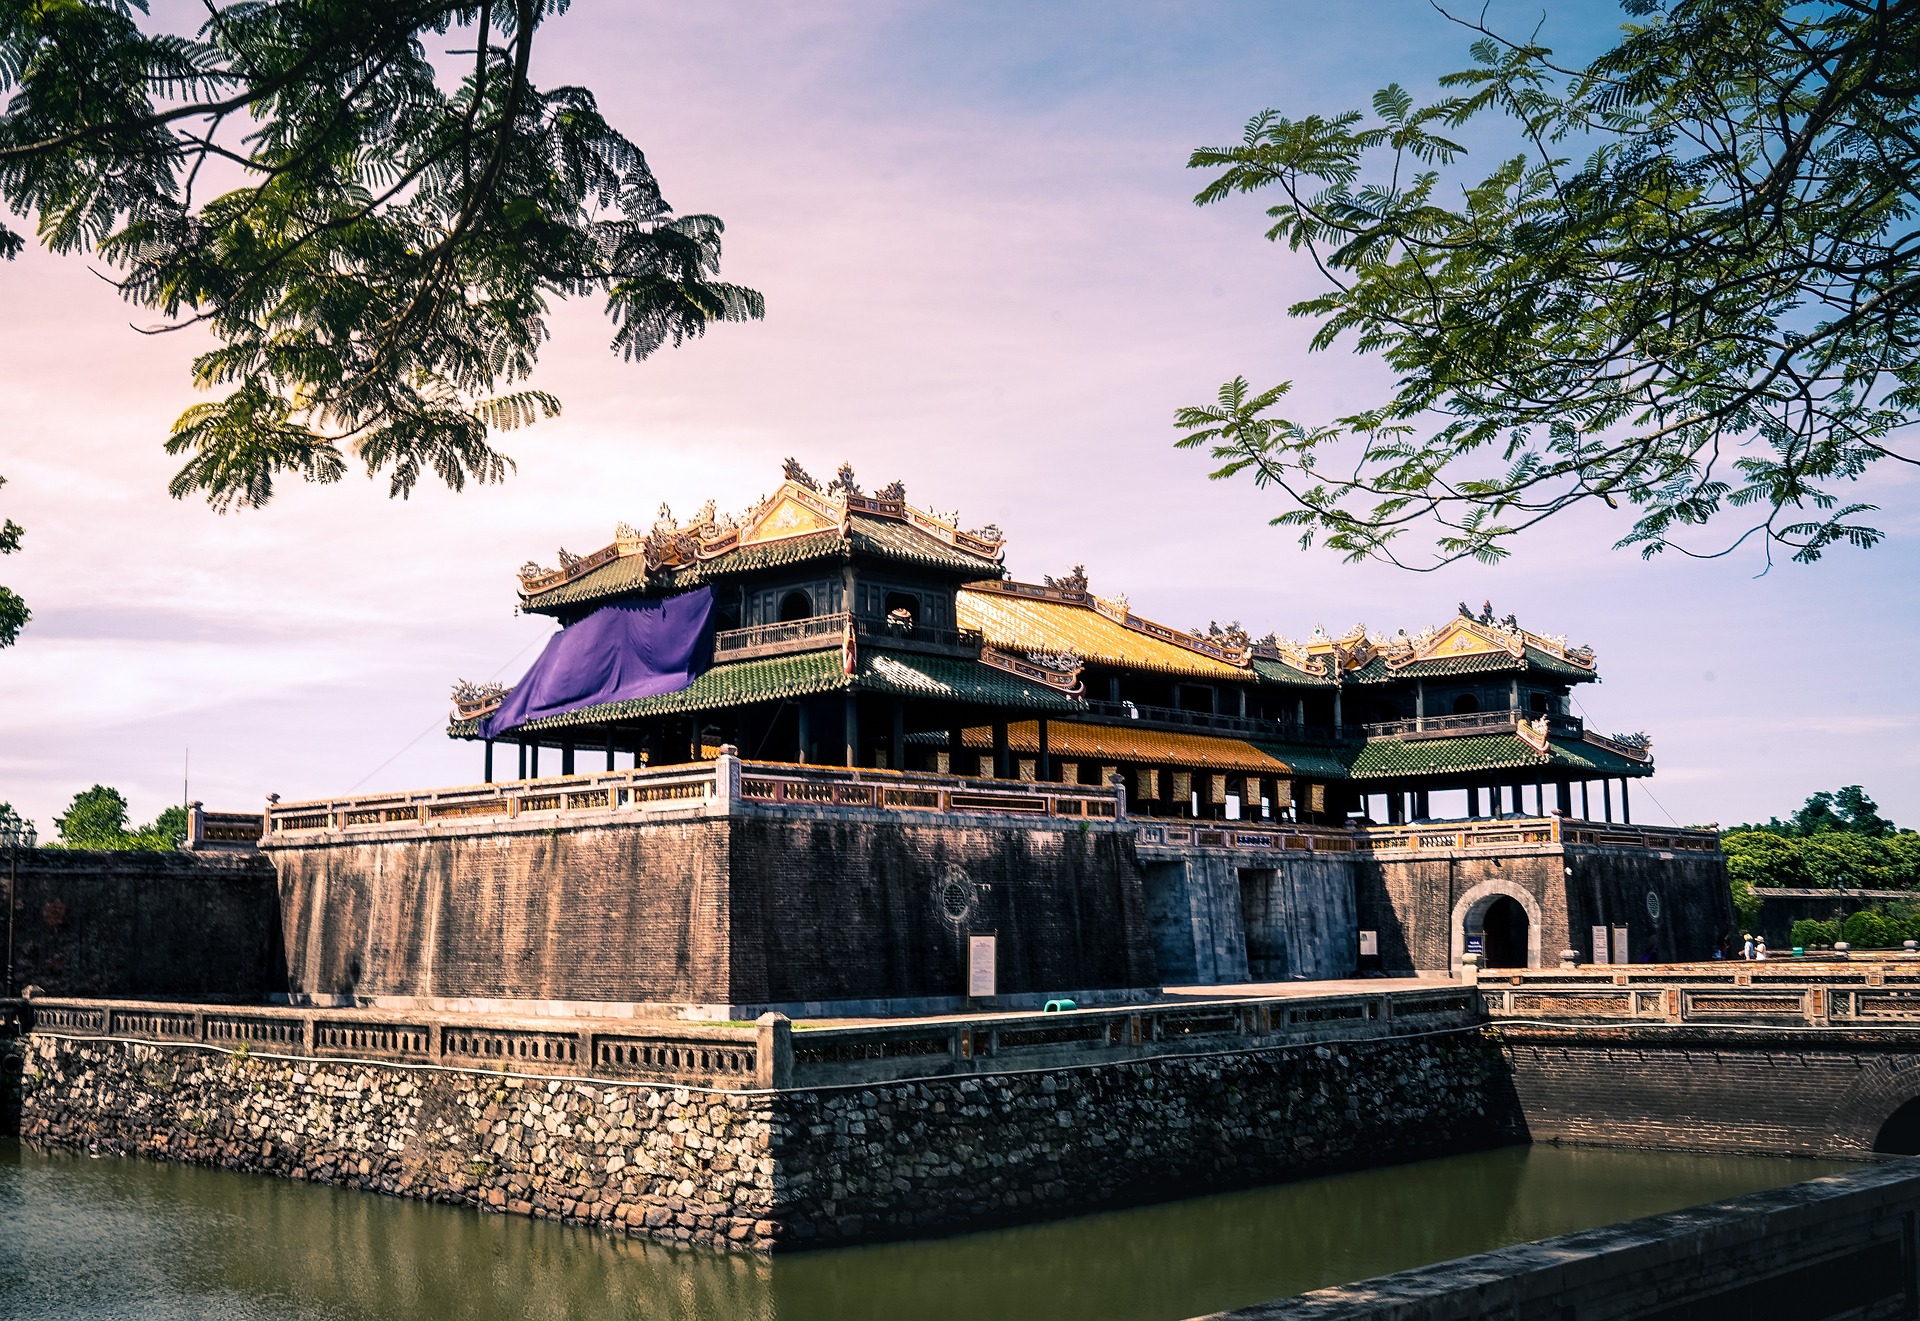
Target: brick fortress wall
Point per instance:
(767, 906)
(96, 922)
(1411, 900)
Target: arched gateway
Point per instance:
(1504, 918)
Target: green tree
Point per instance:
(1759, 857)
(169, 829)
(13, 611)
(95, 819)
(1688, 287)
(12, 824)
(1848, 861)
(377, 255)
(1808, 932)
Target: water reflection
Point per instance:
(126, 1238)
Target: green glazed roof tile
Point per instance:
(773, 678)
(1314, 763)
(1273, 671)
(957, 680)
(880, 538)
(1578, 754)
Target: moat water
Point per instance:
(138, 1239)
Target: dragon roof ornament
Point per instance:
(798, 507)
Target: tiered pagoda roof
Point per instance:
(795, 525)
(1021, 648)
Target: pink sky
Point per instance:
(984, 277)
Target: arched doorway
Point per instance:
(1466, 704)
(1501, 922)
(1900, 1135)
(1503, 928)
(795, 605)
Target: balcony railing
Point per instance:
(824, 630)
(1476, 722)
(1170, 717)
(648, 790)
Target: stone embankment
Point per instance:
(861, 1134)
(675, 1163)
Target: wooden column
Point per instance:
(1626, 807)
(1606, 798)
(1586, 811)
(1394, 815)
(1043, 765)
(1000, 750)
(897, 736)
(523, 758)
(1473, 801)
(851, 705)
(806, 731)
(610, 747)
(487, 771)
(536, 759)
(1419, 704)
(566, 756)
(1563, 797)
(957, 753)
(1300, 712)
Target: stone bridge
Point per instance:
(1789, 1058)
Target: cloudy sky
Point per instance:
(983, 276)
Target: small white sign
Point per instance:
(1620, 945)
(1600, 945)
(1369, 944)
(980, 959)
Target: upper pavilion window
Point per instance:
(903, 611)
(1465, 704)
(795, 605)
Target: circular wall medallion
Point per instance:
(1653, 905)
(954, 891)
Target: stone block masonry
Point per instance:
(888, 1133)
(913, 1159)
(99, 922)
(675, 1164)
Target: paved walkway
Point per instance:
(1174, 995)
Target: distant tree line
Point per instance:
(97, 819)
(1837, 841)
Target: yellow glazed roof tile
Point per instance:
(1029, 624)
(1075, 742)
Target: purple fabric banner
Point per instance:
(620, 651)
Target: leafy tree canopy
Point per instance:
(13, 611)
(1848, 810)
(12, 824)
(97, 819)
(367, 205)
(1688, 288)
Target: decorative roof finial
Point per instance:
(1070, 582)
(843, 484)
(793, 472)
(893, 490)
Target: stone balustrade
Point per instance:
(1876, 992)
(772, 1053)
(725, 780)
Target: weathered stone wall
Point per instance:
(614, 913)
(1413, 901)
(767, 907)
(96, 922)
(1765, 1091)
(1220, 917)
(672, 1163)
(775, 1170)
(826, 909)
(914, 1158)
(1836, 1247)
